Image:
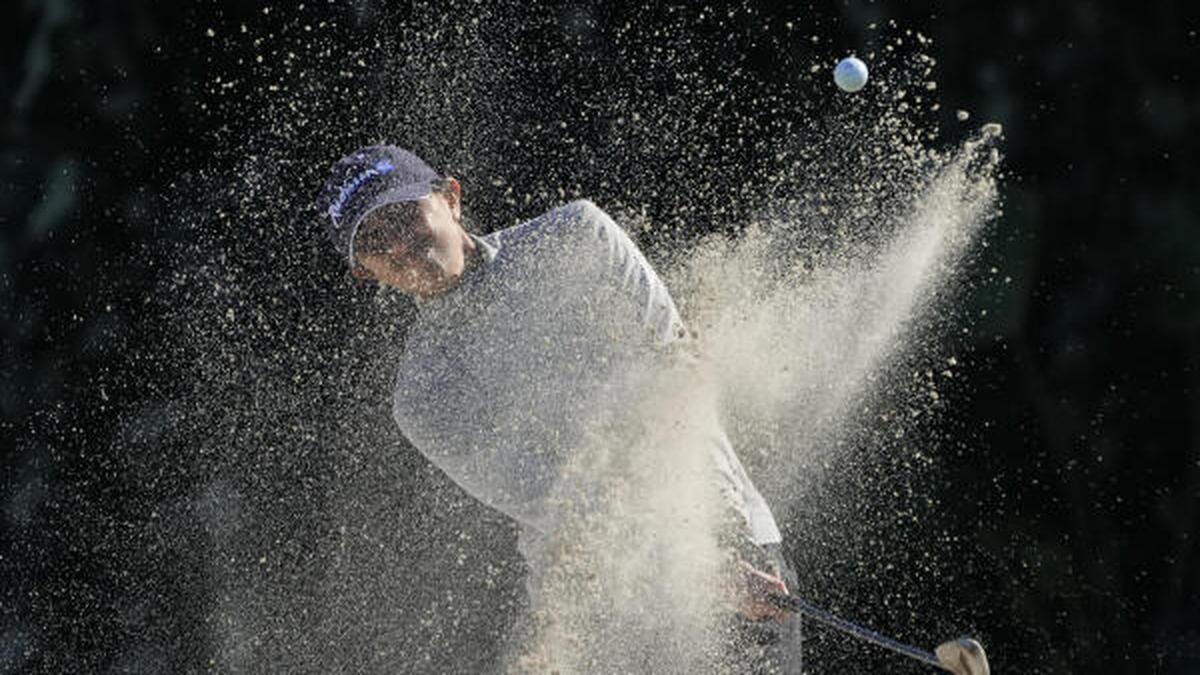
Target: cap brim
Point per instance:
(397, 195)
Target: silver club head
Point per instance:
(963, 656)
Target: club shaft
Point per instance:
(792, 603)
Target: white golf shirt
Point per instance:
(542, 333)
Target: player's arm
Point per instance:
(750, 576)
(629, 271)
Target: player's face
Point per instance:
(417, 247)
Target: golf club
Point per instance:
(963, 656)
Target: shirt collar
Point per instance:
(487, 250)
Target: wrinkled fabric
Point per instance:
(554, 329)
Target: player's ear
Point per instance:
(453, 194)
(360, 272)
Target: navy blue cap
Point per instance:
(365, 180)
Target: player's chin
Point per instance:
(436, 282)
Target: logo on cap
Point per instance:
(381, 168)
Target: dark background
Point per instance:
(146, 161)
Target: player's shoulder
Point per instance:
(580, 209)
(577, 221)
(580, 214)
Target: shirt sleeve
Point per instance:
(748, 515)
(628, 268)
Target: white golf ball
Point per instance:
(850, 74)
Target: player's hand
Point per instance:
(753, 591)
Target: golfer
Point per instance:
(519, 336)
